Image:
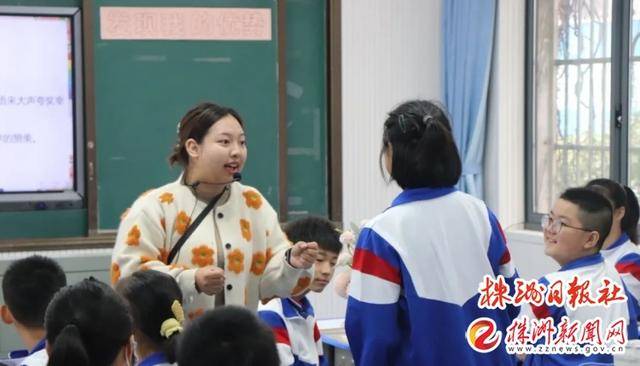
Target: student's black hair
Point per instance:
(313, 228)
(28, 286)
(87, 324)
(424, 153)
(594, 211)
(621, 196)
(228, 336)
(195, 124)
(150, 295)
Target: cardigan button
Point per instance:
(220, 215)
(229, 287)
(228, 246)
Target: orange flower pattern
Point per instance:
(180, 266)
(196, 313)
(163, 256)
(302, 284)
(258, 263)
(252, 198)
(144, 259)
(166, 197)
(235, 261)
(202, 256)
(182, 222)
(269, 255)
(245, 227)
(133, 236)
(115, 273)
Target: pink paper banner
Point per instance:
(224, 24)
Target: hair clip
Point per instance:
(178, 128)
(427, 119)
(402, 123)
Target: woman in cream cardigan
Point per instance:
(238, 254)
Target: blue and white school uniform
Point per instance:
(35, 357)
(594, 269)
(296, 331)
(414, 285)
(155, 359)
(625, 256)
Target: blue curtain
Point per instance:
(468, 29)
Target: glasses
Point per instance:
(554, 226)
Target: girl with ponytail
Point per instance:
(620, 248)
(417, 266)
(88, 324)
(155, 301)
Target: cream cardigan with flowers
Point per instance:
(252, 241)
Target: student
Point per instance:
(227, 336)
(238, 253)
(620, 247)
(292, 319)
(88, 324)
(155, 301)
(574, 232)
(417, 266)
(28, 286)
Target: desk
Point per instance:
(335, 343)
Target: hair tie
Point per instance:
(427, 120)
(173, 325)
(177, 310)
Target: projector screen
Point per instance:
(40, 108)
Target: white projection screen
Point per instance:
(41, 114)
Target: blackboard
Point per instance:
(143, 87)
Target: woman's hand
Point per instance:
(210, 280)
(303, 255)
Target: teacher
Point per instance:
(235, 253)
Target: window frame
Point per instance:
(619, 108)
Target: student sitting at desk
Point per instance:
(574, 232)
(27, 287)
(292, 319)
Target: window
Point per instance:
(583, 96)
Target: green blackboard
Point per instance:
(306, 33)
(143, 87)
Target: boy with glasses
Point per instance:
(574, 231)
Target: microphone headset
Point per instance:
(236, 178)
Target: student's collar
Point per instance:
(154, 359)
(621, 240)
(583, 262)
(420, 194)
(293, 309)
(18, 354)
(39, 346)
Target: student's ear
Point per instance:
(192, 148)
(619, 213)
(592, 240)
(6, 315)
(125, 357)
